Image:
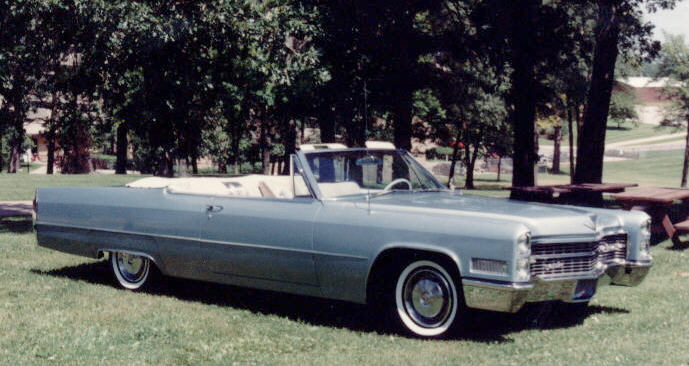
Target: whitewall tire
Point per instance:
(426, 299)
(131, 271)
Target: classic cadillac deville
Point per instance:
(367, 225)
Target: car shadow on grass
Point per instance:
(16, 224)
(477, 326)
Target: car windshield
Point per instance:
(365, 171)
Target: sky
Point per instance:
(675, 21)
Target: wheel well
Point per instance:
(385, 268)
(102, 252)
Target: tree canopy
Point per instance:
(673, 65)
(165, 82)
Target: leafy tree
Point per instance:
(371, 50)
(531, 41)
(283, 65)
(21, 57)
(75, 90)
(674, 65)
(563, 71)
(619, 27)
(622, 108)
(523, 28)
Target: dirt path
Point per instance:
(650, 141)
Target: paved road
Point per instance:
(15, 208)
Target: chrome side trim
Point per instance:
(175, 237)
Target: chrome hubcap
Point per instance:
(427, 297)
(133, 268)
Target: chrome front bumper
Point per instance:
(510, 297)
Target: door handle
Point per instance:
(213, 208)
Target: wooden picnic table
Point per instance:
(657, 203)
(567, 193)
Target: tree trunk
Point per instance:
(327, 126)
(402, 110)
(571, 144)
(222, 167)
(356, 131)
(182, 167)
(166, 166)
(194, 163)
(471, 163)
(236, 133)
(15, 154)
(289, 139)
(122, 147)
(592, 147)
(555, 169)
(522, 96)
(579, 123)
(499, 167)
(50, 136)
(265, 145)
(235, 153)
(453, 164)
(685, 168)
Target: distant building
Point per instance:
(35, 129)
(649, 94)
(647, 90)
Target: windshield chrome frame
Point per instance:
(312, 183)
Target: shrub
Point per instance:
(440, 152)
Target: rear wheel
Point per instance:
(132, 271)
(426, 299)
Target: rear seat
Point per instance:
(246, 186)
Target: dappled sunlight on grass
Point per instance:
(63, 309)
(68, 309)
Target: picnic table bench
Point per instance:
(657, 203)
(567, 193)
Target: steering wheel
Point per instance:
(396, 182)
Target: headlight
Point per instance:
(523, 261)
(523, 269)
(645, 228)
(524, 245)
(645, 249)
(645, 240)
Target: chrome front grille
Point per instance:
(578, 258)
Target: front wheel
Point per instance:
(426, 299)
(131, 271)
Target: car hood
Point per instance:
(541, 219)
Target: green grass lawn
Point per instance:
(624, 133)
(21, 186)
(653, 168)
(61, 309)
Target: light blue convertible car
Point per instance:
(367, 225)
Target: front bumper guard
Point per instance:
(510, 297)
